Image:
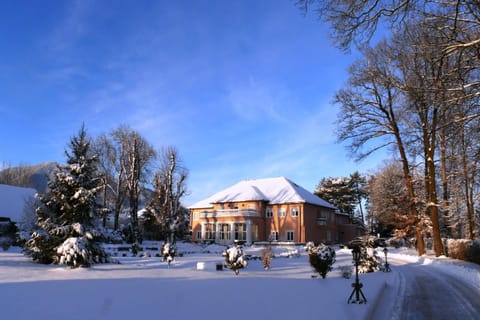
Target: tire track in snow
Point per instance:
(430, 293)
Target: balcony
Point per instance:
(322, 221)
(227, 213)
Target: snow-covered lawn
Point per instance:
(145, 288)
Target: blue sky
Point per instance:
(241, 88)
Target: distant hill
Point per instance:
(34, 176)
(40, 174)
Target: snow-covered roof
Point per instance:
(13, 200)
(272, 190)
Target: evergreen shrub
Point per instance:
(321, 258)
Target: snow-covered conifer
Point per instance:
(66, 213)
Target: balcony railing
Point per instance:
(224, 213)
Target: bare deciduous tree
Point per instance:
(109, 149)
(373, 116)
(170, 187)
(15, 176)
(136, 155)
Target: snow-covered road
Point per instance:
(431, 293)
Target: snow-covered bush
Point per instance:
(369, 260)
(267, 255)
(321, 258)
(41, 246)
(5, 243)
(346, 271)
(235, 258)
(110, 235)
(168, 252)
(473, 252)
(79, 251)
(457, 248)
(463, 249)
(309, 245)
(397, 242)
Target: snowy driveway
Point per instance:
(433, 293)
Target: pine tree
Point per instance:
(345, 193)
(66, 214)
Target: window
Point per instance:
(269, 213)
(224, 231)
(282, 213)
(289, 235)
(273, 236)
(254, 232)
(325, 215)
(209, 231)
(294, 212)
(240, 231)
(199, 234)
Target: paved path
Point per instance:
(430, 293)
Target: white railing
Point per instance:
(223, 213)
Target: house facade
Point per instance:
(274, 209)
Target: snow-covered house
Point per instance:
(13, 202)
(268, 209)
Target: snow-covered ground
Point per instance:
(145, 288)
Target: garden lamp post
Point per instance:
(357, 286)
(387, 266)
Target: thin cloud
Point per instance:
(256, 101)
(71, 27)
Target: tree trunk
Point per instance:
(443, 164)
(467, 186)
(410, 190)
(432, 206)
(429, 144)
